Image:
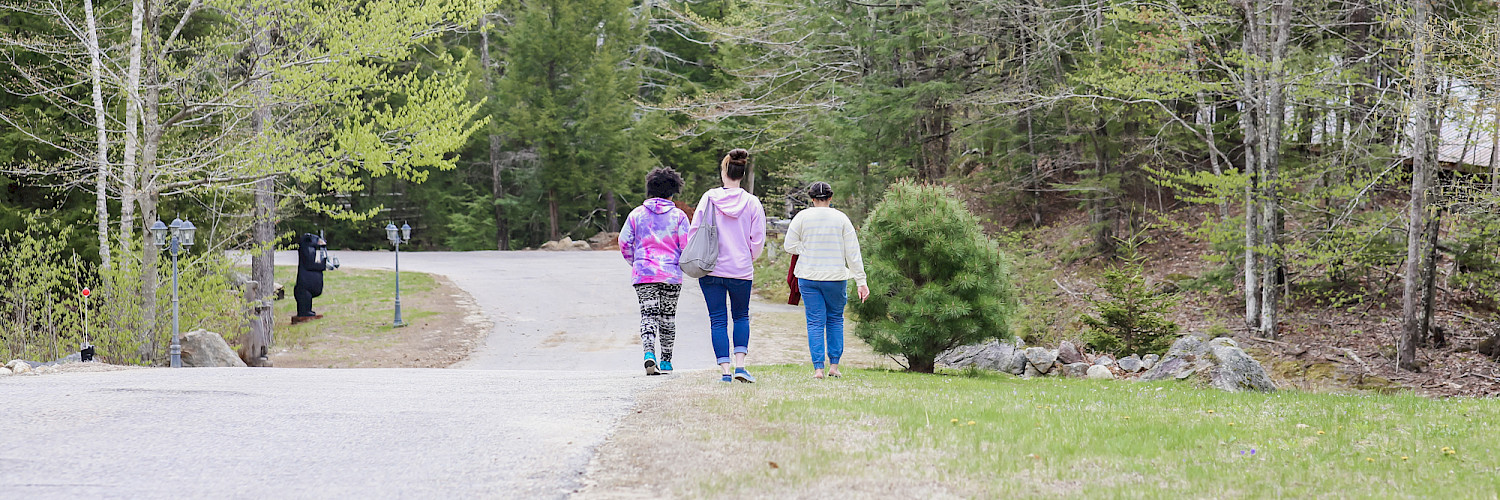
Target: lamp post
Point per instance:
(177, 238)
(397, 238)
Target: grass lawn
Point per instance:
(356, 302)
(358, 306)
(890, 434)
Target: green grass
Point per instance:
(1046, 437)
(357, 304)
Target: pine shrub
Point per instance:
(1133, 319)
(936, 280)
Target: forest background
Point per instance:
(1285, 161)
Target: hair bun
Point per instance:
(739, 156)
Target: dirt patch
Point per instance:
(445, 325)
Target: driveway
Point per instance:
(520, 418)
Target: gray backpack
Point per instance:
(702, 250)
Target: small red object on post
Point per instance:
(85, 292)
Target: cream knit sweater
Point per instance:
(824, 238)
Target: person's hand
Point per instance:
(864, 293)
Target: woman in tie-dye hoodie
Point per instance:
(652, 242)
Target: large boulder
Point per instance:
(1219, 362)
(4, 371)
(1130, 364)
(18, 367)
(565, 244)
(993, 356)
(1104, 360)
(1067, 353)
(1041, 358)
(1100, 372)
(960, 357)
(1235, 370)
(202, 348)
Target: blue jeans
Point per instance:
(738, 291)
(824, 303)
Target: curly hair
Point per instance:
(663, 183)
(820, 191)
(736, 164)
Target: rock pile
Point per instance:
(1219, 363)
(565, 244)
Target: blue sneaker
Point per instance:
(651, 364)
(665, 367)
(727, 378)
(743, 376)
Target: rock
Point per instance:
(1167, 368)
(1067, 353)
(1189, 345)
(605, 241)
(564, 245)
(42, 370)
(1031, 371)
(202, 348)
(1235, 370)
(1076, 370)
(960, 357)
(4, 371)
(993, 355)
(1149, 361)
(19, 367)
(1015, 363)
(1100, 372)
(1130, 364)
(1104, 360)
(1041, 358)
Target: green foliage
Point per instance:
(1133, 318)
(936, 280)
(44, 316)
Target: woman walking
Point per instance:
(741, 224)
(828, 256)
(652, 242)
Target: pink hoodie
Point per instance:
(742, 230)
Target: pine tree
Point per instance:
(1133, 320)
(936, 280)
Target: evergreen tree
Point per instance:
(936, 280)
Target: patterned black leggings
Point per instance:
(658, 316)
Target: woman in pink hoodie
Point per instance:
(652, 242)
(742, 235)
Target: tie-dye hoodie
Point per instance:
(652, 241)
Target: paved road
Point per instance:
(303, 432)
(521, 420)
(553, 310)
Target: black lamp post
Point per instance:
(396, 239)
(177, 238)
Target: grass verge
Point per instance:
(890, 434)
(358, 306)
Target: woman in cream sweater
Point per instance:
(828, 251)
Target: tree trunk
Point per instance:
(128, 181)
(614, 215)
(1249, 118)
(101, 178)
(1273, 277)
(149, 255)
(1099, 213)
(263, 226)
(1417, 208)
(552, 215)
(497, 186)
(1495, 147)
(1429, 273)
